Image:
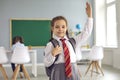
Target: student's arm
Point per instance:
(83, 36)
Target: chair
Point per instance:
(20, 57)
(3, 59)
(95, 55)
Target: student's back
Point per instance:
(18, 44)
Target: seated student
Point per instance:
(17, 42)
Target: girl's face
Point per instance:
(59, 28)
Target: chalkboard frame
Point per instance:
(39, 37)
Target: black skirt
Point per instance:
(58, 72)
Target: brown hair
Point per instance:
(16, 39)
(59, 18)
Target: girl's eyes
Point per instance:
(63, 26)
(57, 26)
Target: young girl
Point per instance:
(17, 42)
(60, 31)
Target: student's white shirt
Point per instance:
(18, 44)
(80, 39)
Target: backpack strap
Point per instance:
(55, 43)
(73, 42)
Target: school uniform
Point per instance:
(58, 72)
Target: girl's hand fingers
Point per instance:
(88, 9)
(57, 50)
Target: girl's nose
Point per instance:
(60, 28)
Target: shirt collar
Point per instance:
(58, 38)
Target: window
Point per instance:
(109, 1)
(111, 30)
(105, 23)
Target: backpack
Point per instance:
(55, 43)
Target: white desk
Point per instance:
(84, 56)
(85, 53)
(33, 55)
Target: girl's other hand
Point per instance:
(88, 10)
(57, 50)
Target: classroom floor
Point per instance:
(110, 73)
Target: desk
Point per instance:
(33, 55)
(85, 56)
(85, 53)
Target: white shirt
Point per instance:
(18, 44)
(80, 39)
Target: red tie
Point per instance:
(68, 70)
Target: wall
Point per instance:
(73, 10)
(108, 56)
(116, 56)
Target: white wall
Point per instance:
(108, 57)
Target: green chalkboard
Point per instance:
(34, 32)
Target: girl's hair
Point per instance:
(58, 18)
(16, 39)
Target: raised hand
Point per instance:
(88, 10)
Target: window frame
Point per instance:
(100, 24)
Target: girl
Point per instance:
(60, 31)
(17, 42)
